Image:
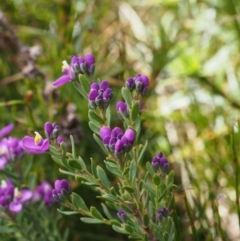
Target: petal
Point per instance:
(6, 130)
(15, 207)
(104, 85)
(104, 132)
(45, 145)
(62, 80)
(28, 142)
(92, 95)
(26, 195)
(130, 135)
(3, 162)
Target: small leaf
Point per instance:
(103, 176)
(170, 179)
(73, 147)
(150, 169)
(100, 143)
(94, 127)
(145, 219)
(84, 83)
(78, 202)
(156, 180)
(57, 160)
(68, 212)
(96, 213)
(113, 168)
(128, 189)
(81, 162)
(107, 213)
(120, 230)
(108, 197)
(108, 116)
(127, 97)
(74, 164)
(79, 88)
(93, 117)
(132, 171)
(142, 152)
(93, 168)
(91, 220)
(135, 111)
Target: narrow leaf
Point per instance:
(91, 220)
(103, 176)
(127, 97)
(78, 202)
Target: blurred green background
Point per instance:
(189, 49)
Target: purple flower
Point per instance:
(19, 198)
(61, 191)
(51, 130)
(35, 145)
(78, 65)
(10, 149)
(12, 198)
(130, 83)
(139, 82)
(161, 213)
(159, 161)
(100, 95)
(6, 130)
(121, 106)
(122, 215)
(43, 192)
(117, 142)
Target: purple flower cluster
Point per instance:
(61, 191)
(117, 142)
(159, 161)
(43, 192)
(161, 213)
(139, 82)
(11, 198)
(78, 65)
(10, 147)
(100, 95)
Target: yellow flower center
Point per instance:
(65, 65)
(17, 193)
(37, 138)
(4, 184)
(2, 151)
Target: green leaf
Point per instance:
(120, 229)
(145, 219)
(73, 147)
(91, 220)
(135, 111)
(81, 162)
(103, 176)
(57, 160)
(107, 213)
(127, 97)
(128, 189)
(156, 180)
(67, 172)
(84, 83)
(79, 88)
(78, 202)
(93, 168)
(74, 164)
(142, 152)
(100, 143)
(150, 169)
(137, 125)
(93, 117)
(96, 213)
(28, 167)
(113, 168)
(68, 212)
(108, 116)
(94, 127)
(132, 171)
(108, 197)
(170, 179)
